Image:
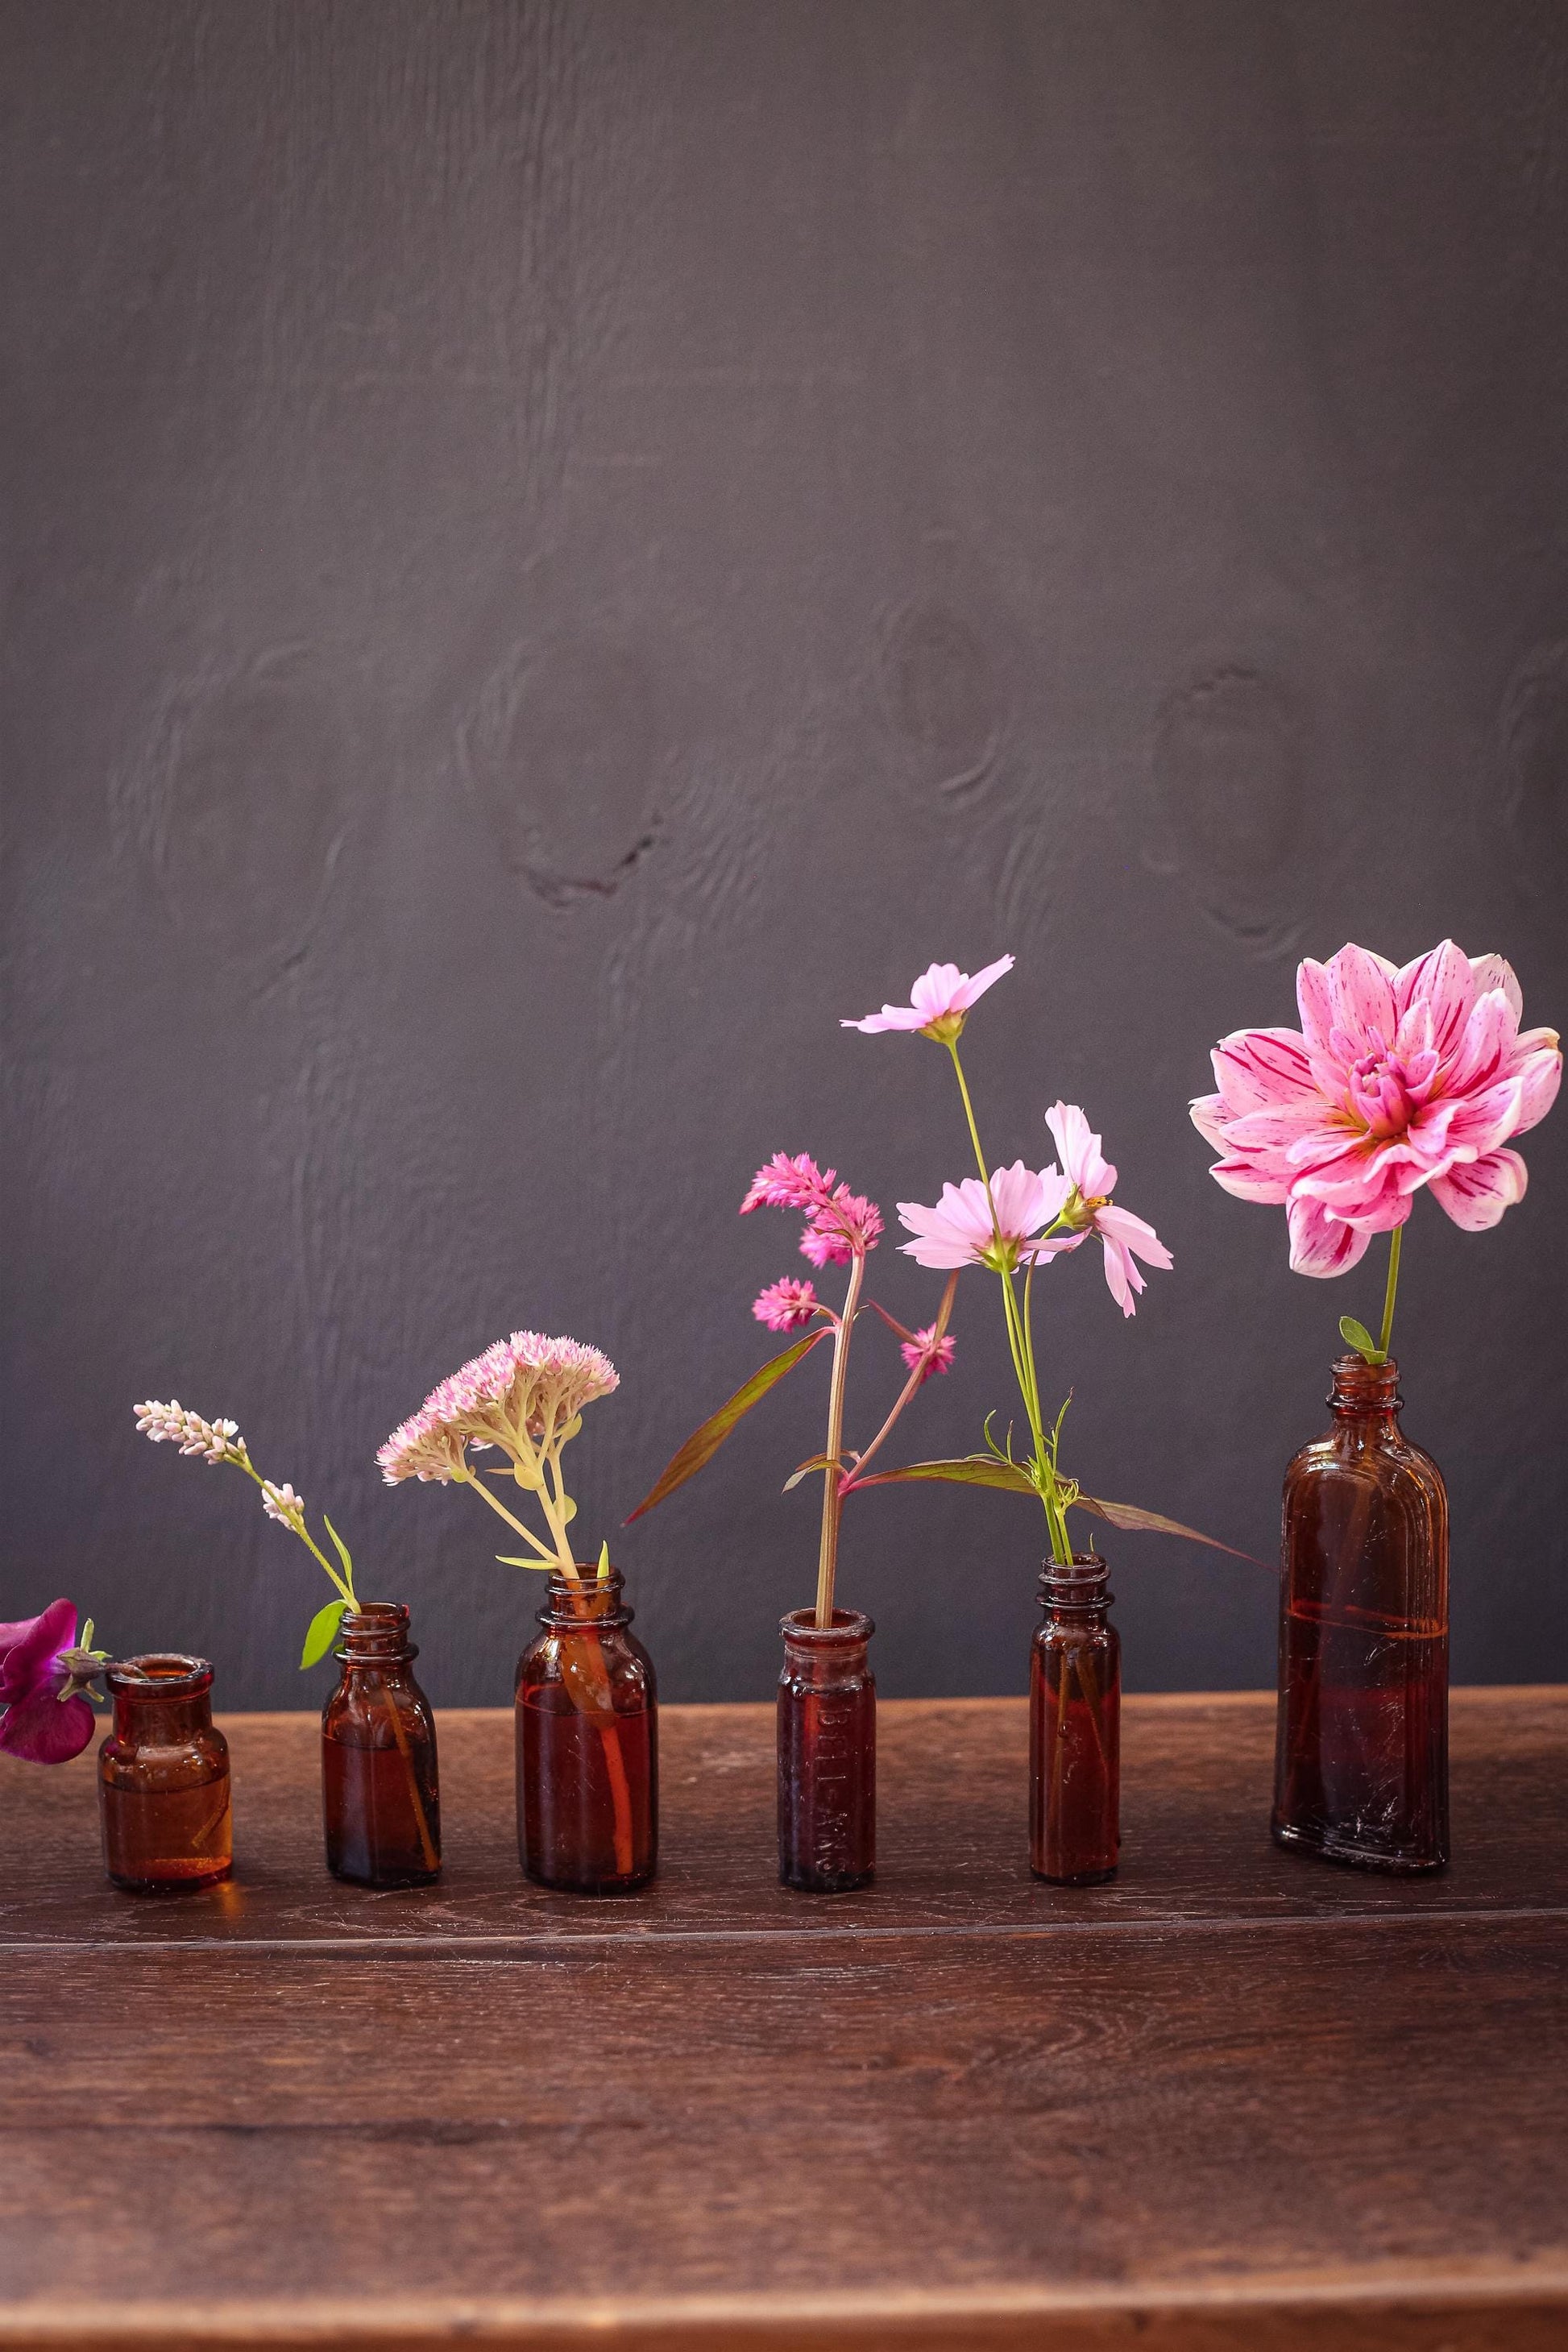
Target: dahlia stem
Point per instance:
(1396, 1241)
(832, 1501)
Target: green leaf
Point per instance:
(604, 1563)
(342, 1548)
(1130, 1517)
(1358, 1336)
(817, 1462)
(322, 1633)
(973, 1470)
(703, 1443)
(525, 1560)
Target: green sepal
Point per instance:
(703, 1443)
(322, 1633)
(1357, 1336)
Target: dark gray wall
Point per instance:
(554, 551)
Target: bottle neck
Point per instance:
(589, 1600)
(825, 1653)
(1079, 1585)
(1365, 1394)
(375, 1635)
(160, 1699)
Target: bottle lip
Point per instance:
(849, 1626)
(374, 1616)
(588, 1574)
(172, 1674)
(1363, 1386)
(1084, 1576)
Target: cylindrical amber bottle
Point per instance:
(588, 1743)
(827, 1753)
(1362, 1751)
(1075, 1726)
(163, 1776)
(379, 1792)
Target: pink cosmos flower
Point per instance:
(785, 1305)
(1089, 1207)
(938, 1002)
(523, 1388)
(839, 1225)
(36, 1656)
(1398, 1077)
(925, 1353)
(963, 1231)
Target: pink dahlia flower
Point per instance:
(938, 1002)
(962, 1230)
(1090, 1208)
(523, 1388)
(785, 1305)
(37, 1658)
(1396, 1079)
(925, 1353)
(839, 1225)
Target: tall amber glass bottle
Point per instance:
(379, 1792)
(588, 1743)
(1075, 1726)
(827, 1753)
(1361, 1756)
(163, 1776)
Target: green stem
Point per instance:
(547, 1559)
(1396, 1241)
(832, 1496)
(973, 1129)
(303, 1532)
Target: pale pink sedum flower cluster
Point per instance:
(839, 1225)
(528, 1388)
(938, 1004)
(1399, 1078)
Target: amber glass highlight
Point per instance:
(1362, 1754)
(587, 1744)
(827, 1753)
(163, 1776)
(379, 1792)
(1075, 1726)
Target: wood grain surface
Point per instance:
(1236, 2099)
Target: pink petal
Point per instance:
(1207, 1113)
(1445, 981)
(1249, 1180)
(1494, 972)
(46, 1729)
(964, 995)
(933, 994)
(1361, 991)
(1319, 1245)
(1483, 1046)
(1121, 1276)
(1539, 1073)
(1257, 1069)
(1132, 1232)
(1079, 1149)
(1481, 1122)
(1314, 1001)
(1476, 1193)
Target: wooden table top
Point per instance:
(1236, 2099)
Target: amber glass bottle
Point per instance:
(588, 1743)
(379, 1793)
(827, 1753)
(163, 1776)
(1361, 1753)
(1075, 1726)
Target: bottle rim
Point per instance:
(168, 1673)
(849, 1626)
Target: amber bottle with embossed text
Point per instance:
(588, 1743)
(380, 1802)
(1362, 1751)
(827, 1753)
(1075, 1726)
(163, 1776)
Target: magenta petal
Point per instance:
(1255, 1069)
(1476, 1193)
(1319, 1245)
(28, 1649)
(1360, 991)
(1444, 982)
(46, 1730)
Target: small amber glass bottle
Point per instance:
(379, 1792)
(588, 1743)
(1362, 1752)
(163, 1776)
(1075, 1726)
(827, 1753)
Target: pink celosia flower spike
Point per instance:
(785, 1305)
(938, 1002)
(966, 1228)
(925, 1353)
(1090, 1210)
(1397, 1079)
(839, 1225)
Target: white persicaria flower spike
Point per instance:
(282, 1502)
(171, 1424)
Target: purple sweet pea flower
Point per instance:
(39, 1658)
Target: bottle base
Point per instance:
(1073, 1878)
(595, 1887)
(825, 1882)
(190, 1883)
(1326, 1847)
(384, 1878)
